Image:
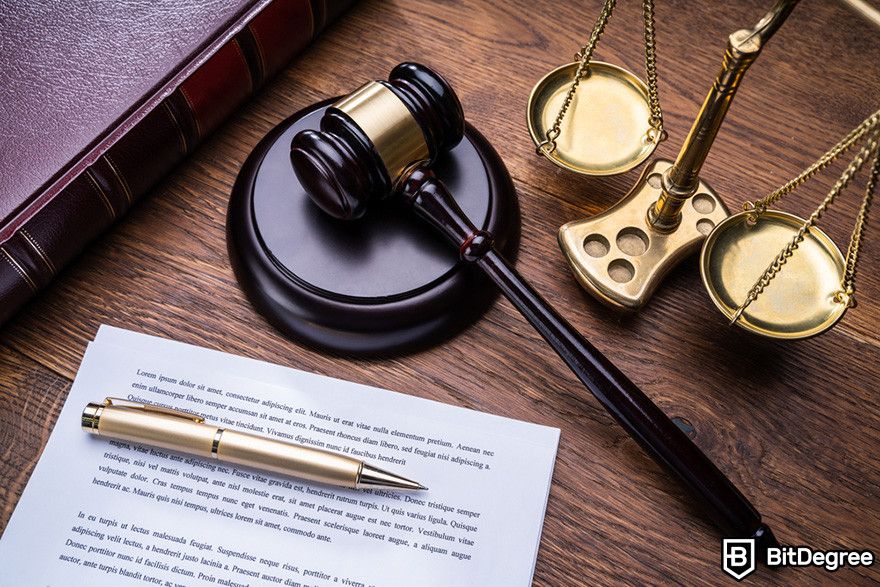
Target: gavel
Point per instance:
(380, 142)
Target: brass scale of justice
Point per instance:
(595, 118)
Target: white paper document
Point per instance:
(102, 512)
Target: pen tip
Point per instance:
(375, 478)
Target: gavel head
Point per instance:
(373, 137)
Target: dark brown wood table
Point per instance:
(795, 425)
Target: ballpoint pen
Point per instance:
(188, 433)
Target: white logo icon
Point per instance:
(738, 557)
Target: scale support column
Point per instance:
(680, 181)
(621, 255)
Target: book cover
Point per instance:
(100, 100)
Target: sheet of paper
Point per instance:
(102, 512)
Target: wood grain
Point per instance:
(795, 425)
(31, 397)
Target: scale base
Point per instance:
(619, 258)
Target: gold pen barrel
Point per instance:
(304, 462)
(153, 428)
(186, 433)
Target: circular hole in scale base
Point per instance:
(596, 245)
(632, 241)
(703, 203)
(705, 226)
(621, 270)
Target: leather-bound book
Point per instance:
(99, 100)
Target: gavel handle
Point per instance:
(640, 417)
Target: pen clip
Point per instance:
(124, 403)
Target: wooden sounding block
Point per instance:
(376, 287)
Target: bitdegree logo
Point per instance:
(738, 557)
(831, 560)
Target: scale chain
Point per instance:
(656, 132)
(871, 148)
(548, 145)
(852, 253)
(760, 206)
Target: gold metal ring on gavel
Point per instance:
(389, 125)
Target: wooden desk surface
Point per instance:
(795, 425)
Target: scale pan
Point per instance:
(800, 301)
(605, 129)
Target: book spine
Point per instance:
(104, 191)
